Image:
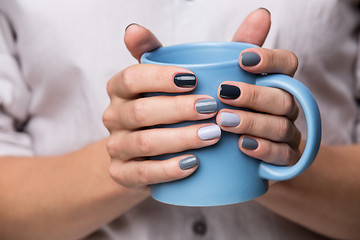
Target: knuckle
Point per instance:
(181, 109)
(295, 113)
(288, 103)
(128, 76)
(266, 150)
(183, 140)
(271, 59)
(108, 118)
(249, 95)
(254, 96)
(115, 173)
(113, 147)
(167, 173)
(297, 137)
(161, 71)
(286, 154)
(284, 128)
(247, 123)
(142, 175)
(293, 61)
(144, 143)
(110, 86)
(139, 111)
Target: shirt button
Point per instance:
(199, 227)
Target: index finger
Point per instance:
(143, 78)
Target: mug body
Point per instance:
(225, 175)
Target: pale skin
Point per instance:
(71, 195)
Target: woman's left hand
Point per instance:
(269, 133)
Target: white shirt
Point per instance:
(56, 57)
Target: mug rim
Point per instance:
(145, 57)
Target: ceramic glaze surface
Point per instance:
(225, 175)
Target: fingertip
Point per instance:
(185, 80)
(262, 60)
(254, 28)
(130, 25)
(265, 9)
(248, 143)
(209, 133)
(218, 118)
(228, 91)
(227, 120)
(139, 40)
(250, 57)
(249, 146)
(180, 167)
(189, 162)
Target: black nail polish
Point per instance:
(130, 25)
(250, 59)
(186, 80)
(229, 91)
(249, 143)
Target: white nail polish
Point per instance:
(209, 132)
(229, 119)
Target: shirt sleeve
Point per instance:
(14, 97)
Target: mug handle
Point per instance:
(313, 125)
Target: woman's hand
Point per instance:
(268, 133)
(129, 113)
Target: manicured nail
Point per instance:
(186, 80)
(229, 91)
(249, 143)
(206, 105)
(229, 119)
(130, 25)
(250, 58)
(209, 132)
(265, 10)
(188, 163)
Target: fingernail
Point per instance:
(188, 163)
(209, 132)
(249, 143)
(206, 105)
(187, 80)
(130, 25)
(250, 58)
(229, 119)
(265, 10)
(229, 91)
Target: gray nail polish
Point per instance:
(188, 163)
(249, 143)
(250, 58)
(206, 105)
(209, 132)
(229, 119)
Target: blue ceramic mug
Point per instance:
(225, 175)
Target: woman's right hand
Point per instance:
(129, 113)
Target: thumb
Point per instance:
(139, 40)
(255, 28)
